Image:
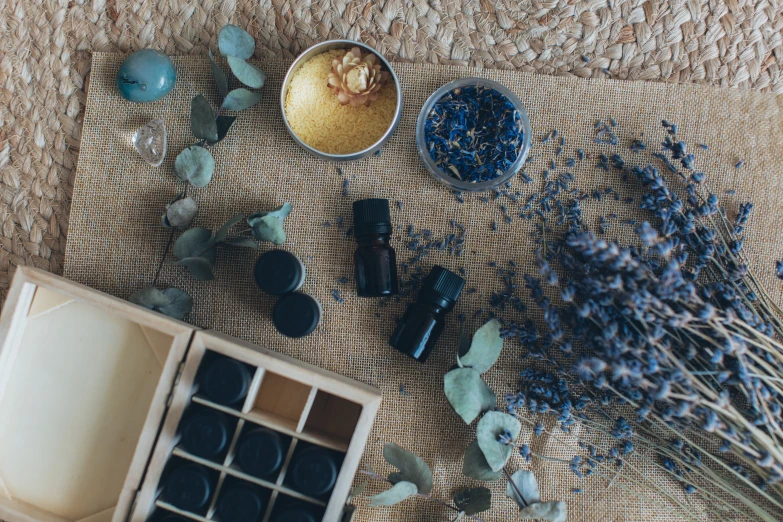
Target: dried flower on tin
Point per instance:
(357, 77)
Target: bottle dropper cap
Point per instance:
(444, 284)
(371, 216)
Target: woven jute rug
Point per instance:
(45, 56)
(115, 240)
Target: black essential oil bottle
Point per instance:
(313, 471)
(260, 452)
(188, 487)
(375, 262)
(224, 380)
(423, 321)
(204, 432)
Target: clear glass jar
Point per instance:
(437, 172)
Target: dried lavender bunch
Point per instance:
(676, 327)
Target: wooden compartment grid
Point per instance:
(277, 400)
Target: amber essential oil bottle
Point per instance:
(423, 321)
(375, 261)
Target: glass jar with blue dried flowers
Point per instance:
(473, 134)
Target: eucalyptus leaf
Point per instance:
(268, 226)
(397, 493)
(468, 394)
(202, 119)
(526, 485)
(240, 99)
(199, 267)
(473, 500)
(220, 77)
(551, 511)
(474, 465)
(179, 305)
(247, 73)
(196, 165)
(223, 124)
(464, 345)
(235, 41)
(242, 242)
(491, 425)
(485, 347)
(149, 297)
(192, 243)
(222, 232)
(358, 490)
(412, 468)
(180, 213)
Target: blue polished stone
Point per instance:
(145, 76)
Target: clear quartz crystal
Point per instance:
(150, 142)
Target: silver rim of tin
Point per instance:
(328, 46)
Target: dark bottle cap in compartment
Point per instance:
(294, 514)
(296, 315)
(204, 433)
(239, 503)
(260, 452)
(171, 517)
(313, 472)
(225, 381)
(279, 272)
(371, 216)
(188, 487)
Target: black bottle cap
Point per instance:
(241, 503)
(225, 381)
(294, 514)
(371, 216)
(260, 452)
(279, 272)
(188, 488)
(296, 315)
(314, 472)
(205, 433)
(443, 283)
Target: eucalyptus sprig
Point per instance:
(487, 456)
(414, 478)
(196, 248)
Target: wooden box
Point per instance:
(93, 388)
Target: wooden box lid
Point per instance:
(84, 382)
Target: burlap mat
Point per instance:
(115, 237)
(45, 55)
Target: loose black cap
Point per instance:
(188, 488)
(279, 272)
(225, 381)
(240, 504)
(296, 314)
(205, 433)
(371, 216)
(443, 283)
(260, 452)
(314, 472)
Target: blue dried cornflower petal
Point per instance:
(525, 452)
